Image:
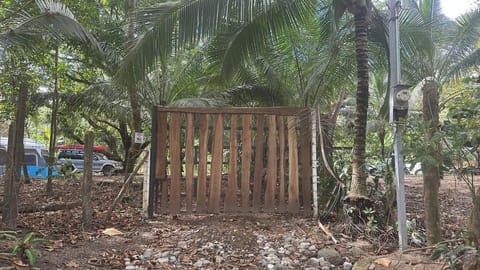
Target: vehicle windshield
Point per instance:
(101, 156)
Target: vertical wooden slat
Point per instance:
(306, 161)
(202, 164)
(175, 163)
(153, 181)
(258, 171)
(189, 156)
(293, 191)
(271, 164)
(281, 165)
(232, 186)
(217, 162)
(161, 161)
(246, 159)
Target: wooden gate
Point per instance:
(210, 160)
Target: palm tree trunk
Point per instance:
(431, 170)
(134, 149)
(358, 188)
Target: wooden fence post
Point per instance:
(87, 208)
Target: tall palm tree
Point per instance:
(435, 50)
(361, 11)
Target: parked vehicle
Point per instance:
(71, 159)
(35, 157)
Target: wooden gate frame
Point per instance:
(239, 191)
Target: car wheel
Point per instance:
(107, 170)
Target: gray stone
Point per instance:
(200, 263)
(331, 255)
(270, 266)
(313, 262)
(182, 244)
(148, 235)
(286, 261)
(347, 266)
(304, 245)
(325, 264)
(272, 258)
(357, 252)
(325, 268)
(362, 245)
(147, 253)
(312, 248)
(162, 260)
(163, 254)
(172, 259)
(131, 267)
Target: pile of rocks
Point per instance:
(271, 252)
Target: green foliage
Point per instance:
(415, 235)
(457, 253)
(25, 247)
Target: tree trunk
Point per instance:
(431, 170)
(87, 208)
(10, 206)
(53, 129)
(134, 149)
(475, 218)
(15, 153)
(358, 188)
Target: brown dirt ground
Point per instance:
(74, 247)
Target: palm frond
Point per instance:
(55, 20)
(198, 102)
(464, 66)
(462, 43)
(189, 22)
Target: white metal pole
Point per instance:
(395, 76)
(146, 185)
(314, 164)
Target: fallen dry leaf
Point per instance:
(383, 262)
(72, 264)
(112, 231)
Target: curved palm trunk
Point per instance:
(358, 189)
(431, 171)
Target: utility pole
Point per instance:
(397, 94)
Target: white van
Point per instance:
(35, 157)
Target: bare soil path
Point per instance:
(258, 241)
